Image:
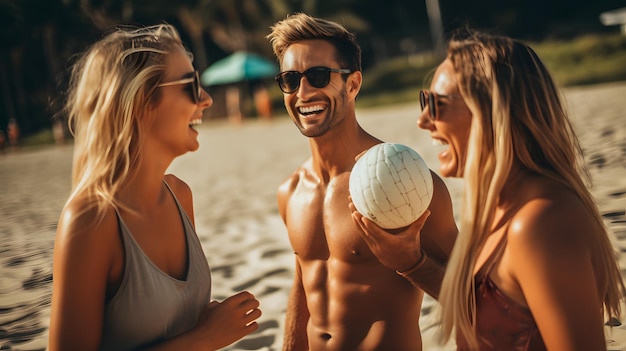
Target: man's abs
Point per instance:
(362, 306)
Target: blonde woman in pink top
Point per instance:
(532, 267)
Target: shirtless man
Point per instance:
(342, 297)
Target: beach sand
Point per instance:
(234, 177)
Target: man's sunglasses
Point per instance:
(428, 98)
(318, 77)
(196, 89)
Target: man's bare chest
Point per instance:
(320, 225)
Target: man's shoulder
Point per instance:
(292, 180)
(301, 172)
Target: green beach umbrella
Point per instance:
(238, 67)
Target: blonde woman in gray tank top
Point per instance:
(129, 270)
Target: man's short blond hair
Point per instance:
(300, 26)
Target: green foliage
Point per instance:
(588, 59)
(397, 80)
(43, 137)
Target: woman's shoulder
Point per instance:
(177, 185)
(83, 226)
(83, 212)
(550, 215)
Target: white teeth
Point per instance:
(195, 122)
(437, 142)
(311, 109)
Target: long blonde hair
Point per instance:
(517, 118)
(111, 87)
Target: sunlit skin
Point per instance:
(89, 254)
(166, 126)
(315, 111)
(342, 298)
(548, 264)
(453, 121)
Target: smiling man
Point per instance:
(343, 297)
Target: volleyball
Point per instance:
(391, 185)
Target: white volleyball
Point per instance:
(391, 185)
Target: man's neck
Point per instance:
(335, 152)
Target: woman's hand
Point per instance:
(397, 249)
(222, 323)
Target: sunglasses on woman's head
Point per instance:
(318, 77)
(428, 98)
(196, 89)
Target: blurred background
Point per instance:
(401, 41)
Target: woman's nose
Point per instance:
(423, 120)
(207, 100)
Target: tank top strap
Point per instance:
(485, 270)
(122, 230)
(181, 209)
(173, 195)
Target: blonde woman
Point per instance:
(129, 270)
(532, 267)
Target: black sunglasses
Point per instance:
(318, 77)
(428, 98)
(196, 88)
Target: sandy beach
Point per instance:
(234, 177)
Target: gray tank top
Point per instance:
(151, 306)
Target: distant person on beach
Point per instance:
(58, 133)
(129, 270)
(13, 133)
(533, 267)
(342, 297)
(262, 102)
(2, 141)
